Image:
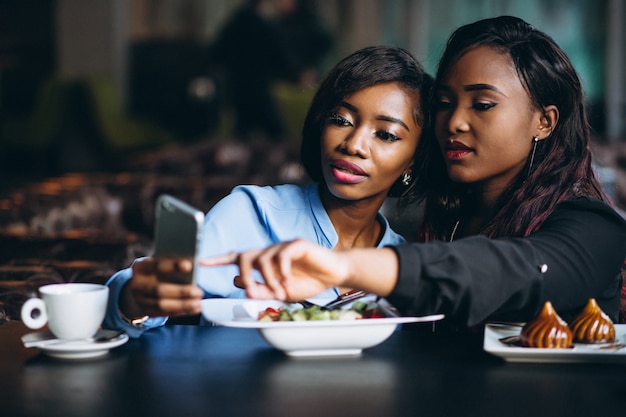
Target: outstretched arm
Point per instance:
(299, 269)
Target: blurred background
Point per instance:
(105, 104)
(85, 83)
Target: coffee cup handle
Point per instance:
(34, 313)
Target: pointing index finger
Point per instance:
(227, 259)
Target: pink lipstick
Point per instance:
(347, 172)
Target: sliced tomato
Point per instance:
(270, 313)
(372, 314)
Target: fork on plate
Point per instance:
(341, 300)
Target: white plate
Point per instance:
(74, 349)
(306, 338)
(579, 353)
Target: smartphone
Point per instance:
(177, 234)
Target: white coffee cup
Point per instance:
(72, 310)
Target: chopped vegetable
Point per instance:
(358, 310)
(359, 306)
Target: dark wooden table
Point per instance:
(185, 370)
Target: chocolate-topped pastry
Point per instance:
(547, 330)
(592, 325)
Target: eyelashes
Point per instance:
(338, 120)
(387, 136)
(382, 134)
(443, 105)
(483, 106)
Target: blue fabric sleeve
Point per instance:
(113, 318)
(235, 223)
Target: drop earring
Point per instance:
(406, 179)
(532, 155)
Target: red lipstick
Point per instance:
(456, 150)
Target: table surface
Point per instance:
(185, 370)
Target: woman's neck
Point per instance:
(355, 222)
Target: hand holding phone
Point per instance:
(177, 235)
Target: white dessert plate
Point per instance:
(306, 338)
(99, 345)
(607, 352)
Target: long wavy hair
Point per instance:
(562, 165)
(362, 69)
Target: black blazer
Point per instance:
(577, 254)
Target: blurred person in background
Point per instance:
(306, 38)
(252, 56)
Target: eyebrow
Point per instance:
(475, 87)
(380, 117)
(478, 87)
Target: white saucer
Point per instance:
(75, 349)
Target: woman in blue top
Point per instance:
(359, 142)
